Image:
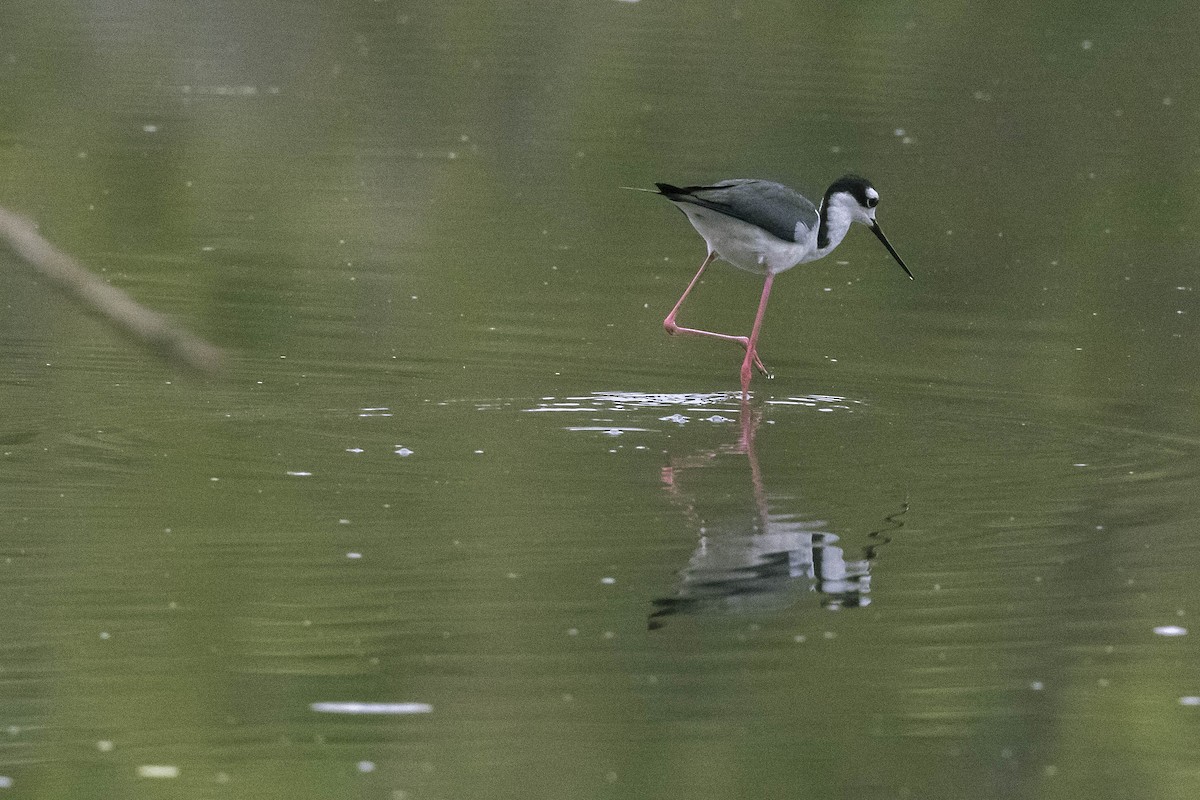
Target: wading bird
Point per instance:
(766, 228)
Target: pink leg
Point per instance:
(672, 328)
(747, 371)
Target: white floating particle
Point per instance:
(1189, 700)
(158, 771)
(5, 782)
(404, 452)
(298, 474)
(608, 581)
(1171, 630)
(353, 555)
(1086, 44)
(371, 708)
(1037, 686)
(150, 129)
(366, 766)
(105, 745)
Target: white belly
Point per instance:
(747, 246)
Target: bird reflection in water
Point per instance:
(751, 559)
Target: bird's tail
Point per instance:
(640, 189)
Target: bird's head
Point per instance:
(857, 198)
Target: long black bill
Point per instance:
(878, 231)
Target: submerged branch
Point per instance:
(148, 327)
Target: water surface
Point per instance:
(458, 519)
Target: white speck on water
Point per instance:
(150, 128)
(366, 766)
(1189, 700)
(343, 522)
(105, 635)
(478, 452)
(1171, 630)
(799, 638)
(403, 451)
(353, 555)
(898, 132)
(1086, 44)
(572, 631)
(608, 581)
(105, 745)
(1168, 101)
(298, 474)
(158, 771)
(6, 782)
(678, 419)
(1079, 465)
(371, 708)
(1037, 686)
(355, 450)
(717, 418)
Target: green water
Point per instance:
(453, 460)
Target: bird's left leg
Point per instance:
(751, 359)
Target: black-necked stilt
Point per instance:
(766, 228)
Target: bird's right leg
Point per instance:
(672, 328)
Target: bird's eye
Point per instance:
(872, 202)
